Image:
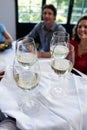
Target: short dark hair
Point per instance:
(50, 6)
(75, 35)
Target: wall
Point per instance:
(7, 16)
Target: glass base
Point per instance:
(58, 89)
(29, 106)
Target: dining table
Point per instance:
(41, 108)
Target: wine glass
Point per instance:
(62, 60)
(26, 70)
(58, 44)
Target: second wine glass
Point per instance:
(62, 60)
(58, 44)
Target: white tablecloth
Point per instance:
(67, 111)
(7, 57)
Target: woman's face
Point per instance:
(82, 29)
(48, 16)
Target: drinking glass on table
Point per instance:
(62, 59)
(58, 44)
(26, 69)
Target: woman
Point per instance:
(5, 37)
(79, 41)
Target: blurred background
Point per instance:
(20, 16)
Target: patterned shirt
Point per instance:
(41, 34)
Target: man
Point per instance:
(43, 31)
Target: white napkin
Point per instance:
(9, 106)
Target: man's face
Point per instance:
(48, 16)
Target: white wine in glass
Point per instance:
(58, 44)
(59, 51)
(26, 52)
(63, 65)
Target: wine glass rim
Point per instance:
(28, 38)
(61, 33)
